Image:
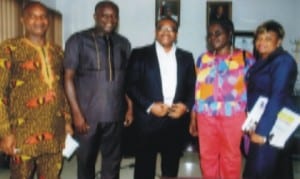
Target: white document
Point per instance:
(286, 123)
(255, 114)
(70, 146)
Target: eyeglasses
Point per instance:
(166, 29)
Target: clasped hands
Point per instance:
(174, 111)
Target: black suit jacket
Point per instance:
(144, 87)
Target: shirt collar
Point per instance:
(47, 44)
(160, 49)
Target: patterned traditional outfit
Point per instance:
(33, 106)
(220, 107)
(99, 63)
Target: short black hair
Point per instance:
(227, 25)
(34, 3)
(107, 3)
(167, 18)
(272, 26)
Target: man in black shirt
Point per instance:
(95, 64)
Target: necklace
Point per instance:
(97, 51)
(229, 57)
(223, 64)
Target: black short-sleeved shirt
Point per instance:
(101, 98)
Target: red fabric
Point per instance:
(219, 143)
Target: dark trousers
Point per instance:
(166, 142)
(266, 162)
(107, 138)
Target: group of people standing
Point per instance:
(99, 85)
(229, 82)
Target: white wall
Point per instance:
(49, 3)
(249, 14)
(137, 19)
(297, 15)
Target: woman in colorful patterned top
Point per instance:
(220, 102)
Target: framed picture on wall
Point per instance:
(169, 8)
(244, 40)
(218, 10)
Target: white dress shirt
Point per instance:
(168, 72)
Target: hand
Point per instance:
(159, 109)
(256, 138)
(128, 118)
(8, 144)
(177, 110)
(193, 128)
(69, 129)
(80, 124)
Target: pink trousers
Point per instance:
(219, 143)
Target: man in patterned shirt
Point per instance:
(33, 106)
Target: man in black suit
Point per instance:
(161, 79)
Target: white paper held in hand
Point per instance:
(286, 123)
(70, 146)
(255, 114)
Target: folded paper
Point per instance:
(70, 146)
(255, 114)
(286, 123)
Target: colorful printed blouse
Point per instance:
(32, 102)
(220, 83)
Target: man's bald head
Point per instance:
(33, 4)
